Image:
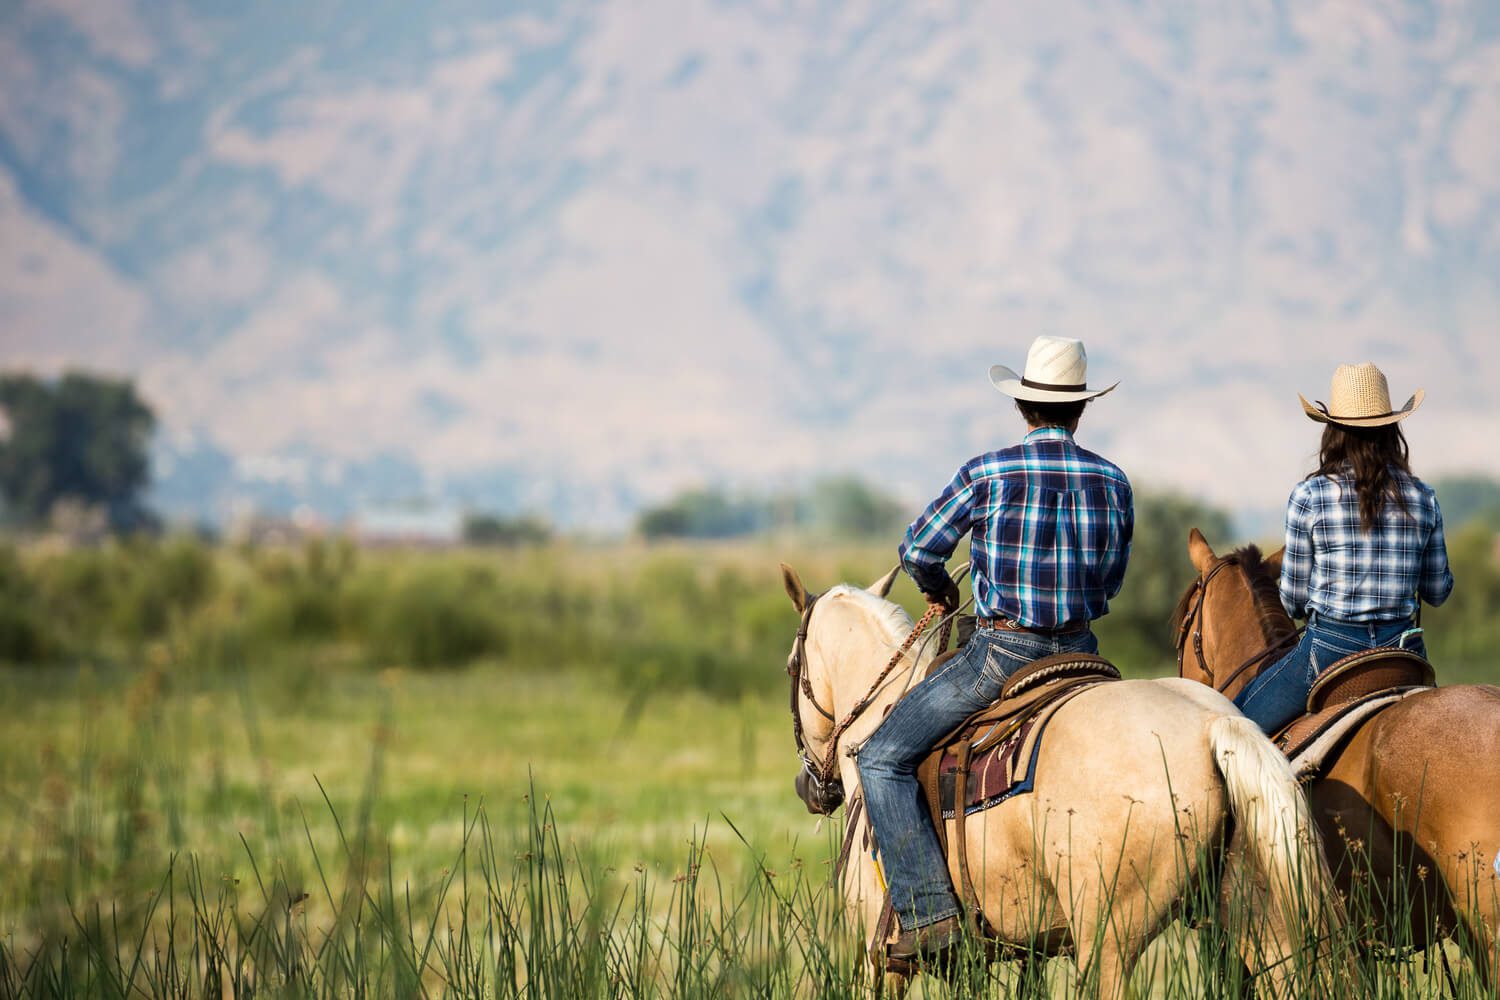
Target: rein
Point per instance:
(825, 772)
(1192, 622)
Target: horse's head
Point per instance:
(1229, 613)
(814, 699)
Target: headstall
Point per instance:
(1192, 624)
(823, 775)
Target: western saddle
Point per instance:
(990, 757)
(1354, 682)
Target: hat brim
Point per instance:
(1319, 412)
(1009, 382)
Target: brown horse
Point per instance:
(1409, 808)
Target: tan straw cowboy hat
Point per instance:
(1056, 372)
(1359, 397)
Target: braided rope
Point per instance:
(829, 764)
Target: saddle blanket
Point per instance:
(1005, 767)
(1311, 755)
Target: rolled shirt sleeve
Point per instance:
(932, 537)
(1297, 562)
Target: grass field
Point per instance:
(570, 814)
(121, 770)
(251, 793)
(110, 775)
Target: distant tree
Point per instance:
(837, 506)
(80, 438)
(491, 529)
(1159, 572)
(703, 514)
(1468, 498)
(850, 507)
(1159, 567)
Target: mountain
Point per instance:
(576, 256)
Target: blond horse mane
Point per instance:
(890, 616)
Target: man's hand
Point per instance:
(948, 599)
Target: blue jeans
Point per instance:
(1278, 694)
(916, 871)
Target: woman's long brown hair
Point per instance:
(1368, 454)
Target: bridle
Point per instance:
(1192, 624)
(822, 775)
(802, 684)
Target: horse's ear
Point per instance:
(1200, 551)
(882, 586)
(794, 588)
(1273, 562)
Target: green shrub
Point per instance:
(25, 636)
(161, 584)
(707, 617)
(1464, 633)
(434, 617)
(300, 595)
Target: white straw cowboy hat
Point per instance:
(1359, 397)
(1056, 372)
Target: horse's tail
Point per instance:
(1275, 826)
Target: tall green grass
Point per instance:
(536, 918)
(143, 851)
(120, 899)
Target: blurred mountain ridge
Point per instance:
(577, 258)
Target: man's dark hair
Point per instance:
(1051, 414)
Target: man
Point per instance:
(1051, 526)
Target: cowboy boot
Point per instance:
(925, 944)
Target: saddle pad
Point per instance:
(1003, 769)
(1311, 755)
(1326, 728)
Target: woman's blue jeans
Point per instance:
(915, 870)
(1278, 694)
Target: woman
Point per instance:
(1364, 543)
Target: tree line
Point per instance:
(79, 445)
(838, 507)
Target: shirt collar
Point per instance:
(1047, 434)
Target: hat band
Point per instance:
(1360, 416)
(1054, 386)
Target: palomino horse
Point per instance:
(1413, 796)
(1141, 788)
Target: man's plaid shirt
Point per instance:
(1051, 528)
(1336, 568)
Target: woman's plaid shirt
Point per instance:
(1336, 568)
(1051, 527)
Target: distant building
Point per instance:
(425, 527)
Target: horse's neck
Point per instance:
(1241, 637)
(863, 655)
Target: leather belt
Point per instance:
(1008, 625)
